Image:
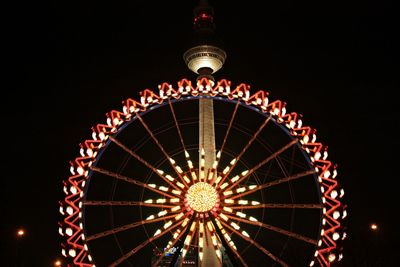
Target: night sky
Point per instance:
(73, 61)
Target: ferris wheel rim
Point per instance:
(226, 99)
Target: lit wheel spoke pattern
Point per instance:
(194, 202)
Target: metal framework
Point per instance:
(223, 219)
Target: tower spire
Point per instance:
(205, 56)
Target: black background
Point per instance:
(69, 62)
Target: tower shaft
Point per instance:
(207, 142)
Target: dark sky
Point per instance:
(73, 61)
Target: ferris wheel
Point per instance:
(202, 174)
(146, 180)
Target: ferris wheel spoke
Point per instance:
(262, 163)
(128, 226)
(145, 243)
(246, 237)
(177, 170)
(241, 217)
(135, 182)
(184, 178)
(227, 133)
(144, 162)
(125, 203)
(227, 242)
(246, 147)
(276, 206)
(240, 192)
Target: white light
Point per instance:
(161, 200)
(162, 213)
(331, 257)
(148, 201)
(335, 236)
(341, 192)
(168, 224)
(336, 215)
(169, 177)
(176, 192)
(163, 188)
(70, 210)
(340, 257)
(157, 232)
(241, 214)
(68, 231)
(253, 219)
(72, 253)
(334, 194)
(344, 214)
(234, 225)
(234, 179)
(72, 189)
(311, 263)
(243, 202)
(241, 190)
(151, 217)
(255, 203)
(245, 234)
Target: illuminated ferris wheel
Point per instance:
(202, 174)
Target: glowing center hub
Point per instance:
(202, 197)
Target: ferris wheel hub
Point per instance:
(202, 197)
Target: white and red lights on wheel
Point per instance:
(192, 194)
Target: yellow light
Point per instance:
(226, 193)
(243, 202)
(169, 177)
(168, 224)
(234, 179)
(223, 216)
(176, 208)
(228, 209)
(57, 263)
(374, 227)
(21, 233)
(163, 188)
(202, 197)
(225, 170)
(241, 214)
(157, 232)
(224, 185)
